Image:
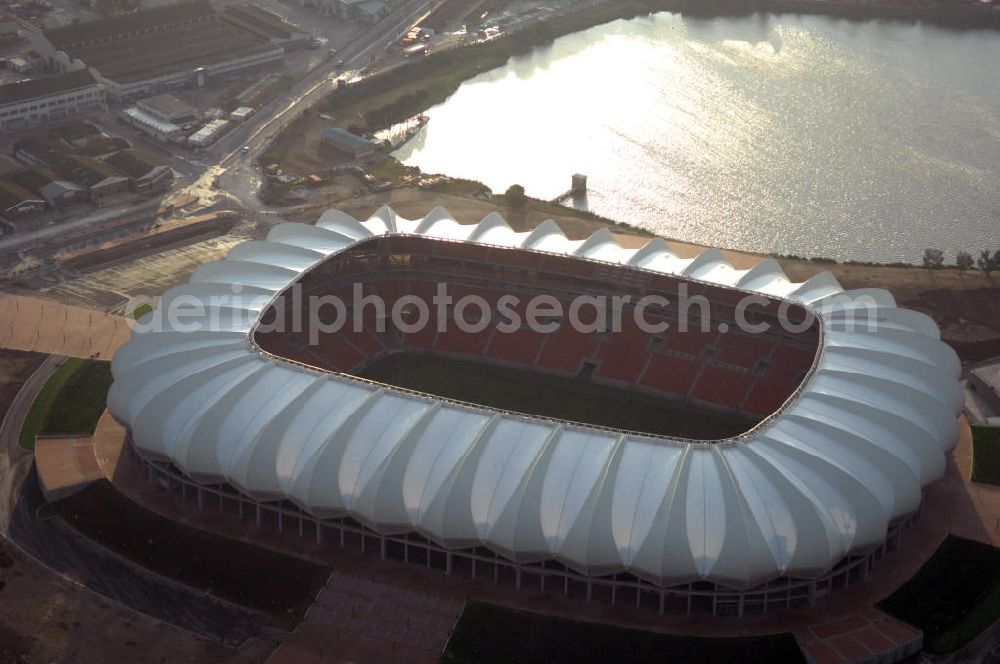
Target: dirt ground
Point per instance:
(15, 368)
(45, 619)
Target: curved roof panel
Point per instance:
(820, 479)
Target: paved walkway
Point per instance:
(15, 462)
(65, 464)
(46, 326)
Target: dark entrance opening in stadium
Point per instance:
(715, 380)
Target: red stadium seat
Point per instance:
(565, 349)
(624, 355)
(672, 375)
(744, 350)
(722, 387)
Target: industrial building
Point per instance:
(984, 380)
(166, 107)
(146, 173)
(100, 179)
(47, 99)
(853, 420)
(366, 11)
(209, 133)
(152, 51)
(16, 201)
(356, 147)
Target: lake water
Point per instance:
(799, 135)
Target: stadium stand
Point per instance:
(732, 371)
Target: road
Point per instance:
(237, 170)
(60, 548)
(238, 175)
(50, 541)
(15, 462)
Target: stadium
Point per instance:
(709, 469)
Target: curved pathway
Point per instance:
(63, 550)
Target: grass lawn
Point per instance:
(140, 311)
(954, 596)
(263, 580)
(986, 455)
(536, 393)
(488, 634)
(71, 401)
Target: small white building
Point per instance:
(208, 134)
(241, 114)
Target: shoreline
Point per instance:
(433, 79)
(951, 16)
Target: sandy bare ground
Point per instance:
(46, 618)
(44, 326)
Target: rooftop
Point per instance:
(989, 373)
(134, 163)
(45, 148)
(12, 194)
(87, 170)
(260, 22)
(76, 130)
(142, 117)
(344, 139)
(105, 145)
(33, 179)
(168, 105)
(110, 28)
(41, 87)
(169, 50)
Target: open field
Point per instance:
(15, 368)
(280, 586)
(489, 634)
(537, 393)
(986, 455)
(71, 401)
(954, 596)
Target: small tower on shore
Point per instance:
(579, 185)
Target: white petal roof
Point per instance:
(848, 454)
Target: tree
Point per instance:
(515, 196)
(963, 261)
(933, 258)
(987, 261)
